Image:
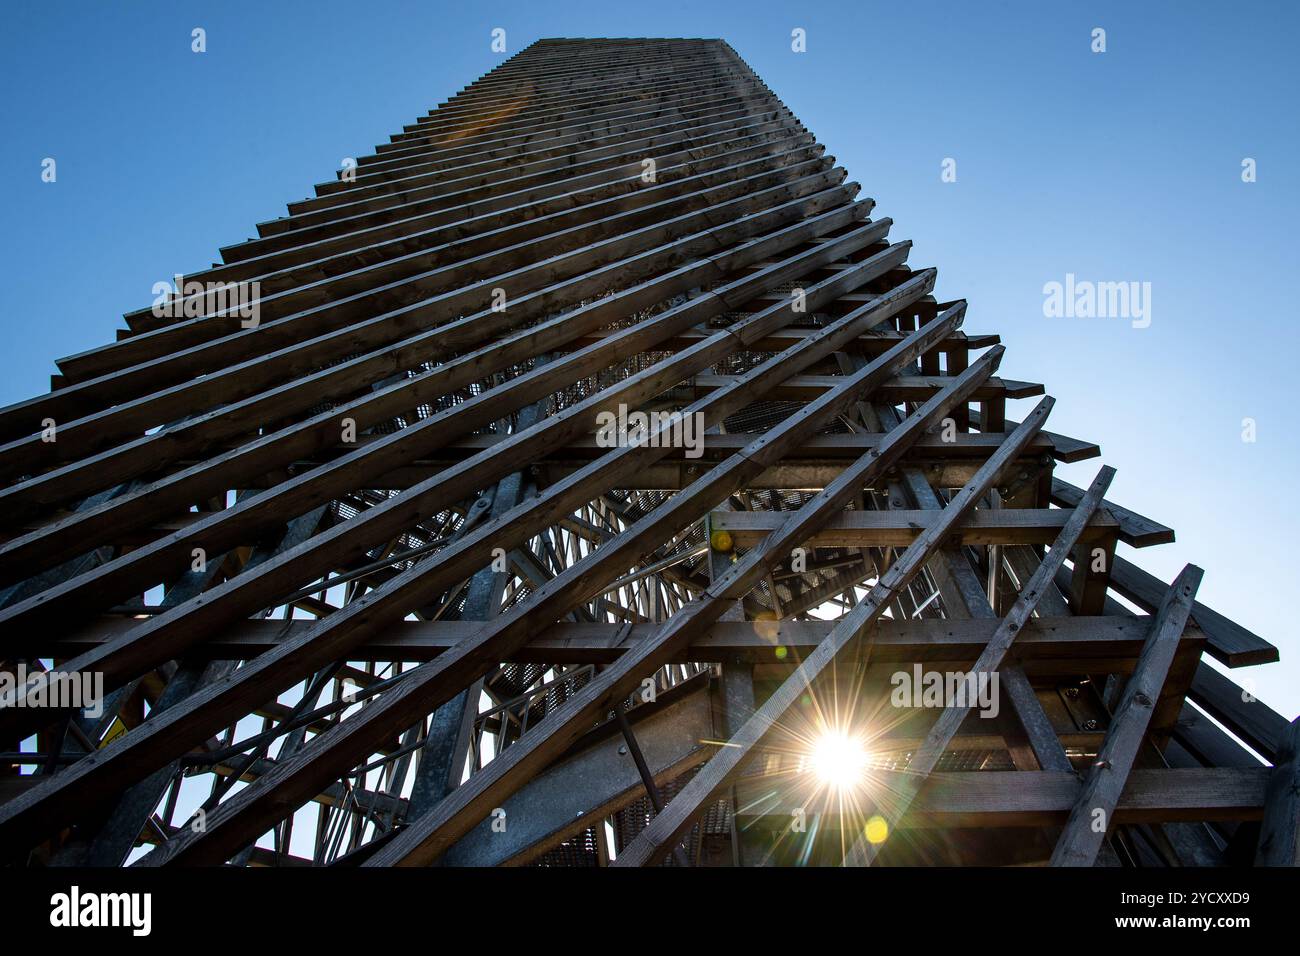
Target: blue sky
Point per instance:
(1118, 166)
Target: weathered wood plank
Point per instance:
(1263, 728)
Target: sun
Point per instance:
(839, 760)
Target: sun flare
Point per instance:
(839, 760)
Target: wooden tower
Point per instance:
(587, 478)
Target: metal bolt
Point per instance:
(1071, 692)
(1089, 725)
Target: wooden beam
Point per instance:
(897, 529)
(1038, 798)
(1093, 813)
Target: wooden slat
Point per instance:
(1263, 728)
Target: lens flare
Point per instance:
(839, 760)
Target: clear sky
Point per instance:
(1122, 166)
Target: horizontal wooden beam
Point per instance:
(973, 445)
(1034, 798)
(893, 529)
(909, 388)
(1053, 643)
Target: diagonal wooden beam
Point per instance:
(1091, 817)
(1229, 642)
(1258, 725)
(965, 596)
(1035, 724)
(1134, 529)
